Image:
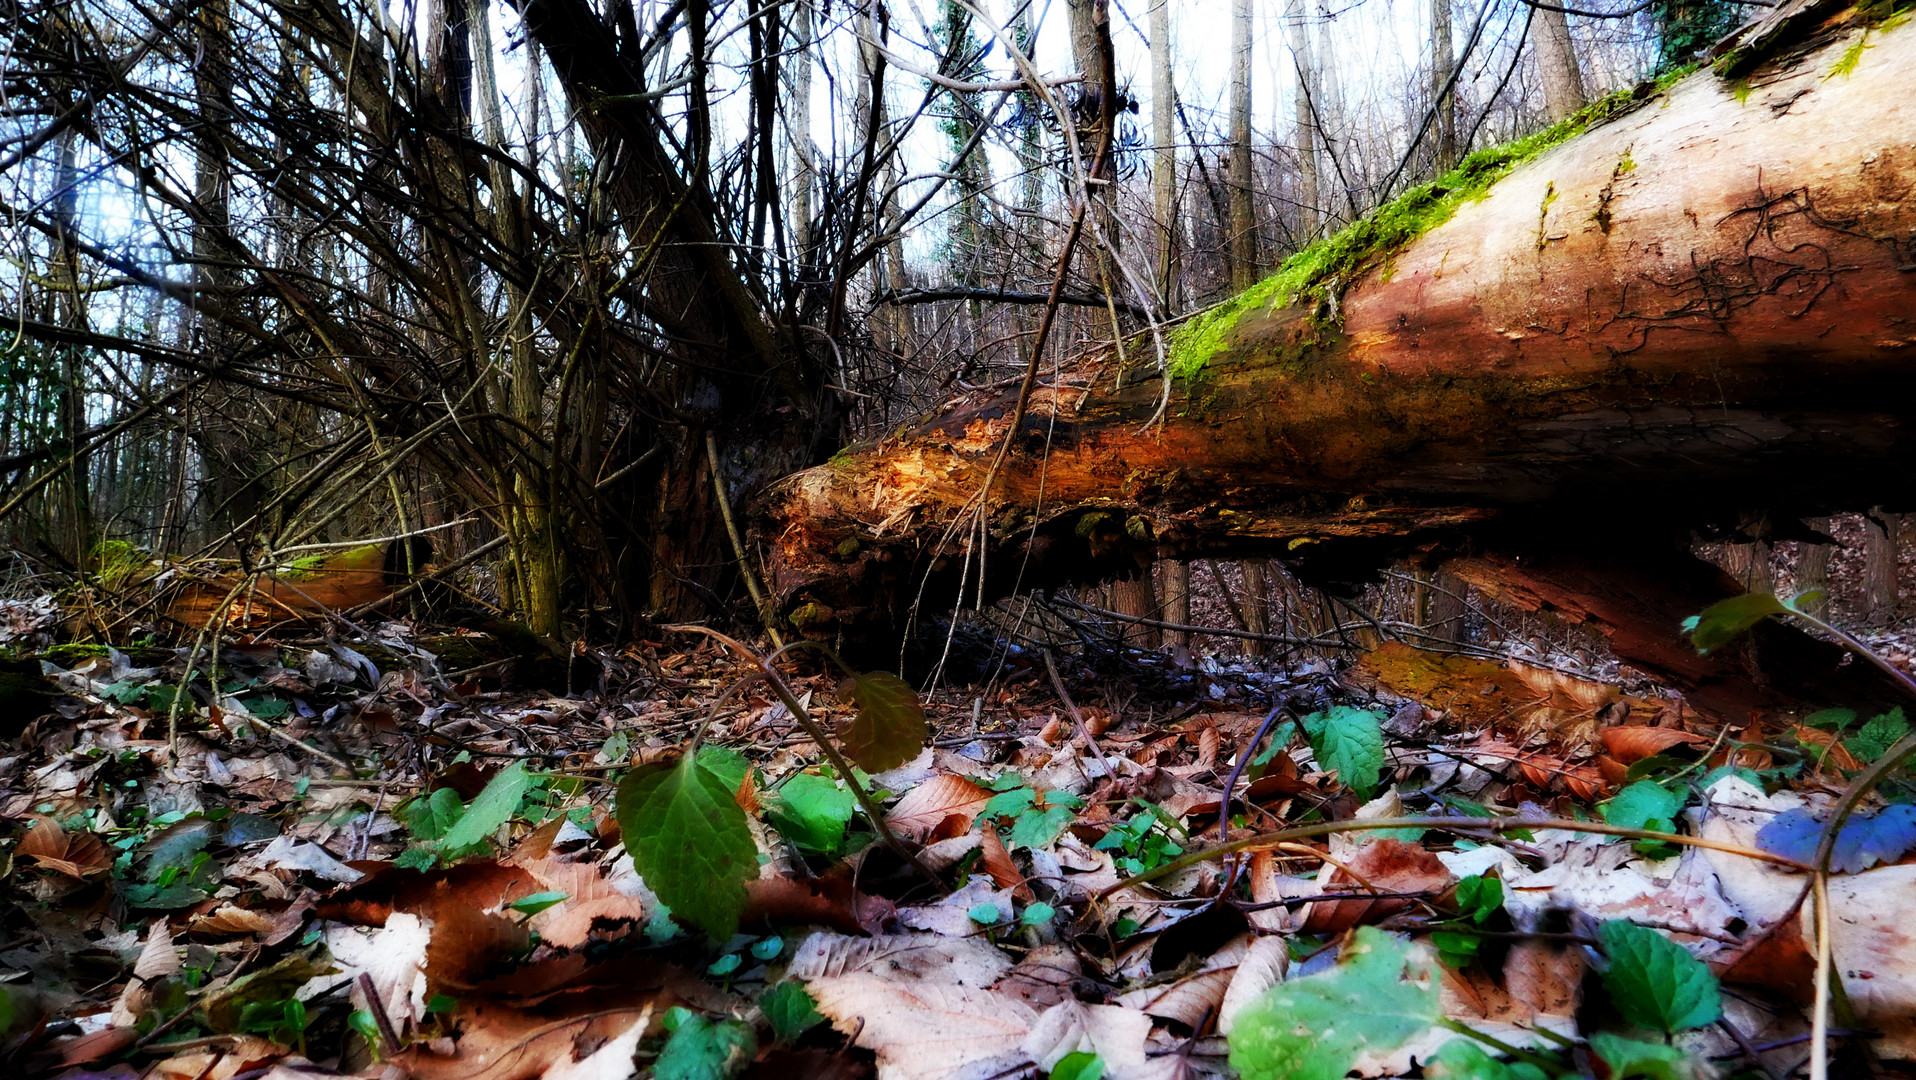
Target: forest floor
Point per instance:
(342, 865)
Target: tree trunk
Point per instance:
(1304, 120)
(1176, 589)
(1879, 567)
(1557, 64)
(1164, 165)
(1813, 571)
(1443, 61)
(1696, 308)
(1238, 177)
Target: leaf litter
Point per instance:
(343, 863)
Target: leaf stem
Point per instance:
(1549, 1067)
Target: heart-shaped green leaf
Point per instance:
(689, 841)
(1656, 983)
(888, 727)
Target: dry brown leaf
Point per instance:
(231, 920)
(927, 806)
(1387, 866)
(1776, 960)
(467, 943)
(904, 958)
(996, 861)
(1827, 752)
(1263, 965)
(1116, 1035)
(1043, 978)
(923, 1030)
(393, 958)
(1196, 998)
(52, 847)
(1635, 742)
(500, 1043)
(827, 901)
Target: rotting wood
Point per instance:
(1697, 308)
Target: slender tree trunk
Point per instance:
(1563, 92)
(1813, 570)
(1879, 567)
(1304, 59)
(1164, 168)
(1244, 267)
(798, 126)
(1443, 61)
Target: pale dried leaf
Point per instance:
(922, 1030)
(926, 806)
(905, 957)
(1262, 966)
(615, 1060)
(1113, 1033)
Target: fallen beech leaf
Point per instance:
(996, 861)
(826, 901)
(925, 807)
(1195, 998)
(1636, 742)
(1385, 865)
(479, 883)
(1776, 960)
(1263, 965)
(467, 942)
(902, 958)
(1825, 751)
(52, 847)
(496, 1042)
(231, 920)
(923, 1030)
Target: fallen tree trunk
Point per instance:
(1703, 304)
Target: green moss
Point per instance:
(847, 547)
(116, 563)
(71, 654)
(1322, 270)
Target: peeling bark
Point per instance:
(1697, 309)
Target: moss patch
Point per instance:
(1326, 267)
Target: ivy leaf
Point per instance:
(1656, 983)
(1462, 1059)
(702, 1050)
(1878, 735)
(888, 728)
(1721, 622)
(1627, 1058)
(689, 841)
(790, 1010)
(1865, 840)
(813, 813)
(493, 807)
(1378, 997)
(1350, 742)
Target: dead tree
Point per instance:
(1697, 308)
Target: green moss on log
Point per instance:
(1325, 268)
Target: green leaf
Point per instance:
(888, 728)
(1721, 622)
(1627, 1058)
(725, 763)
(984, 914)
(1078, 1065)
(420, 859)
(1378, 997)
(1009, 803)
(429, 817)
(790, 1009)
(702, 1050)
(537, 902)
(813, 812)
(768, 948)
(689, 841)
(366, 1027)
(1656, 983)
(1037, 913)
(1455, 949)
(1462, 1059)
(1831, 719)
(1878, 736)
(1645, 804)
(1479, 896)
(494, 807)
(7, 1012)
(1036, 828)
(1350, 742)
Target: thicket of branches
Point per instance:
(289, 271)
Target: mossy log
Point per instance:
(1696, 302)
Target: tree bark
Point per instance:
(1443, 61)
(1239, 176)
(1164, 165)
(1563, 92)
(1304, 119)
(1699, 307)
